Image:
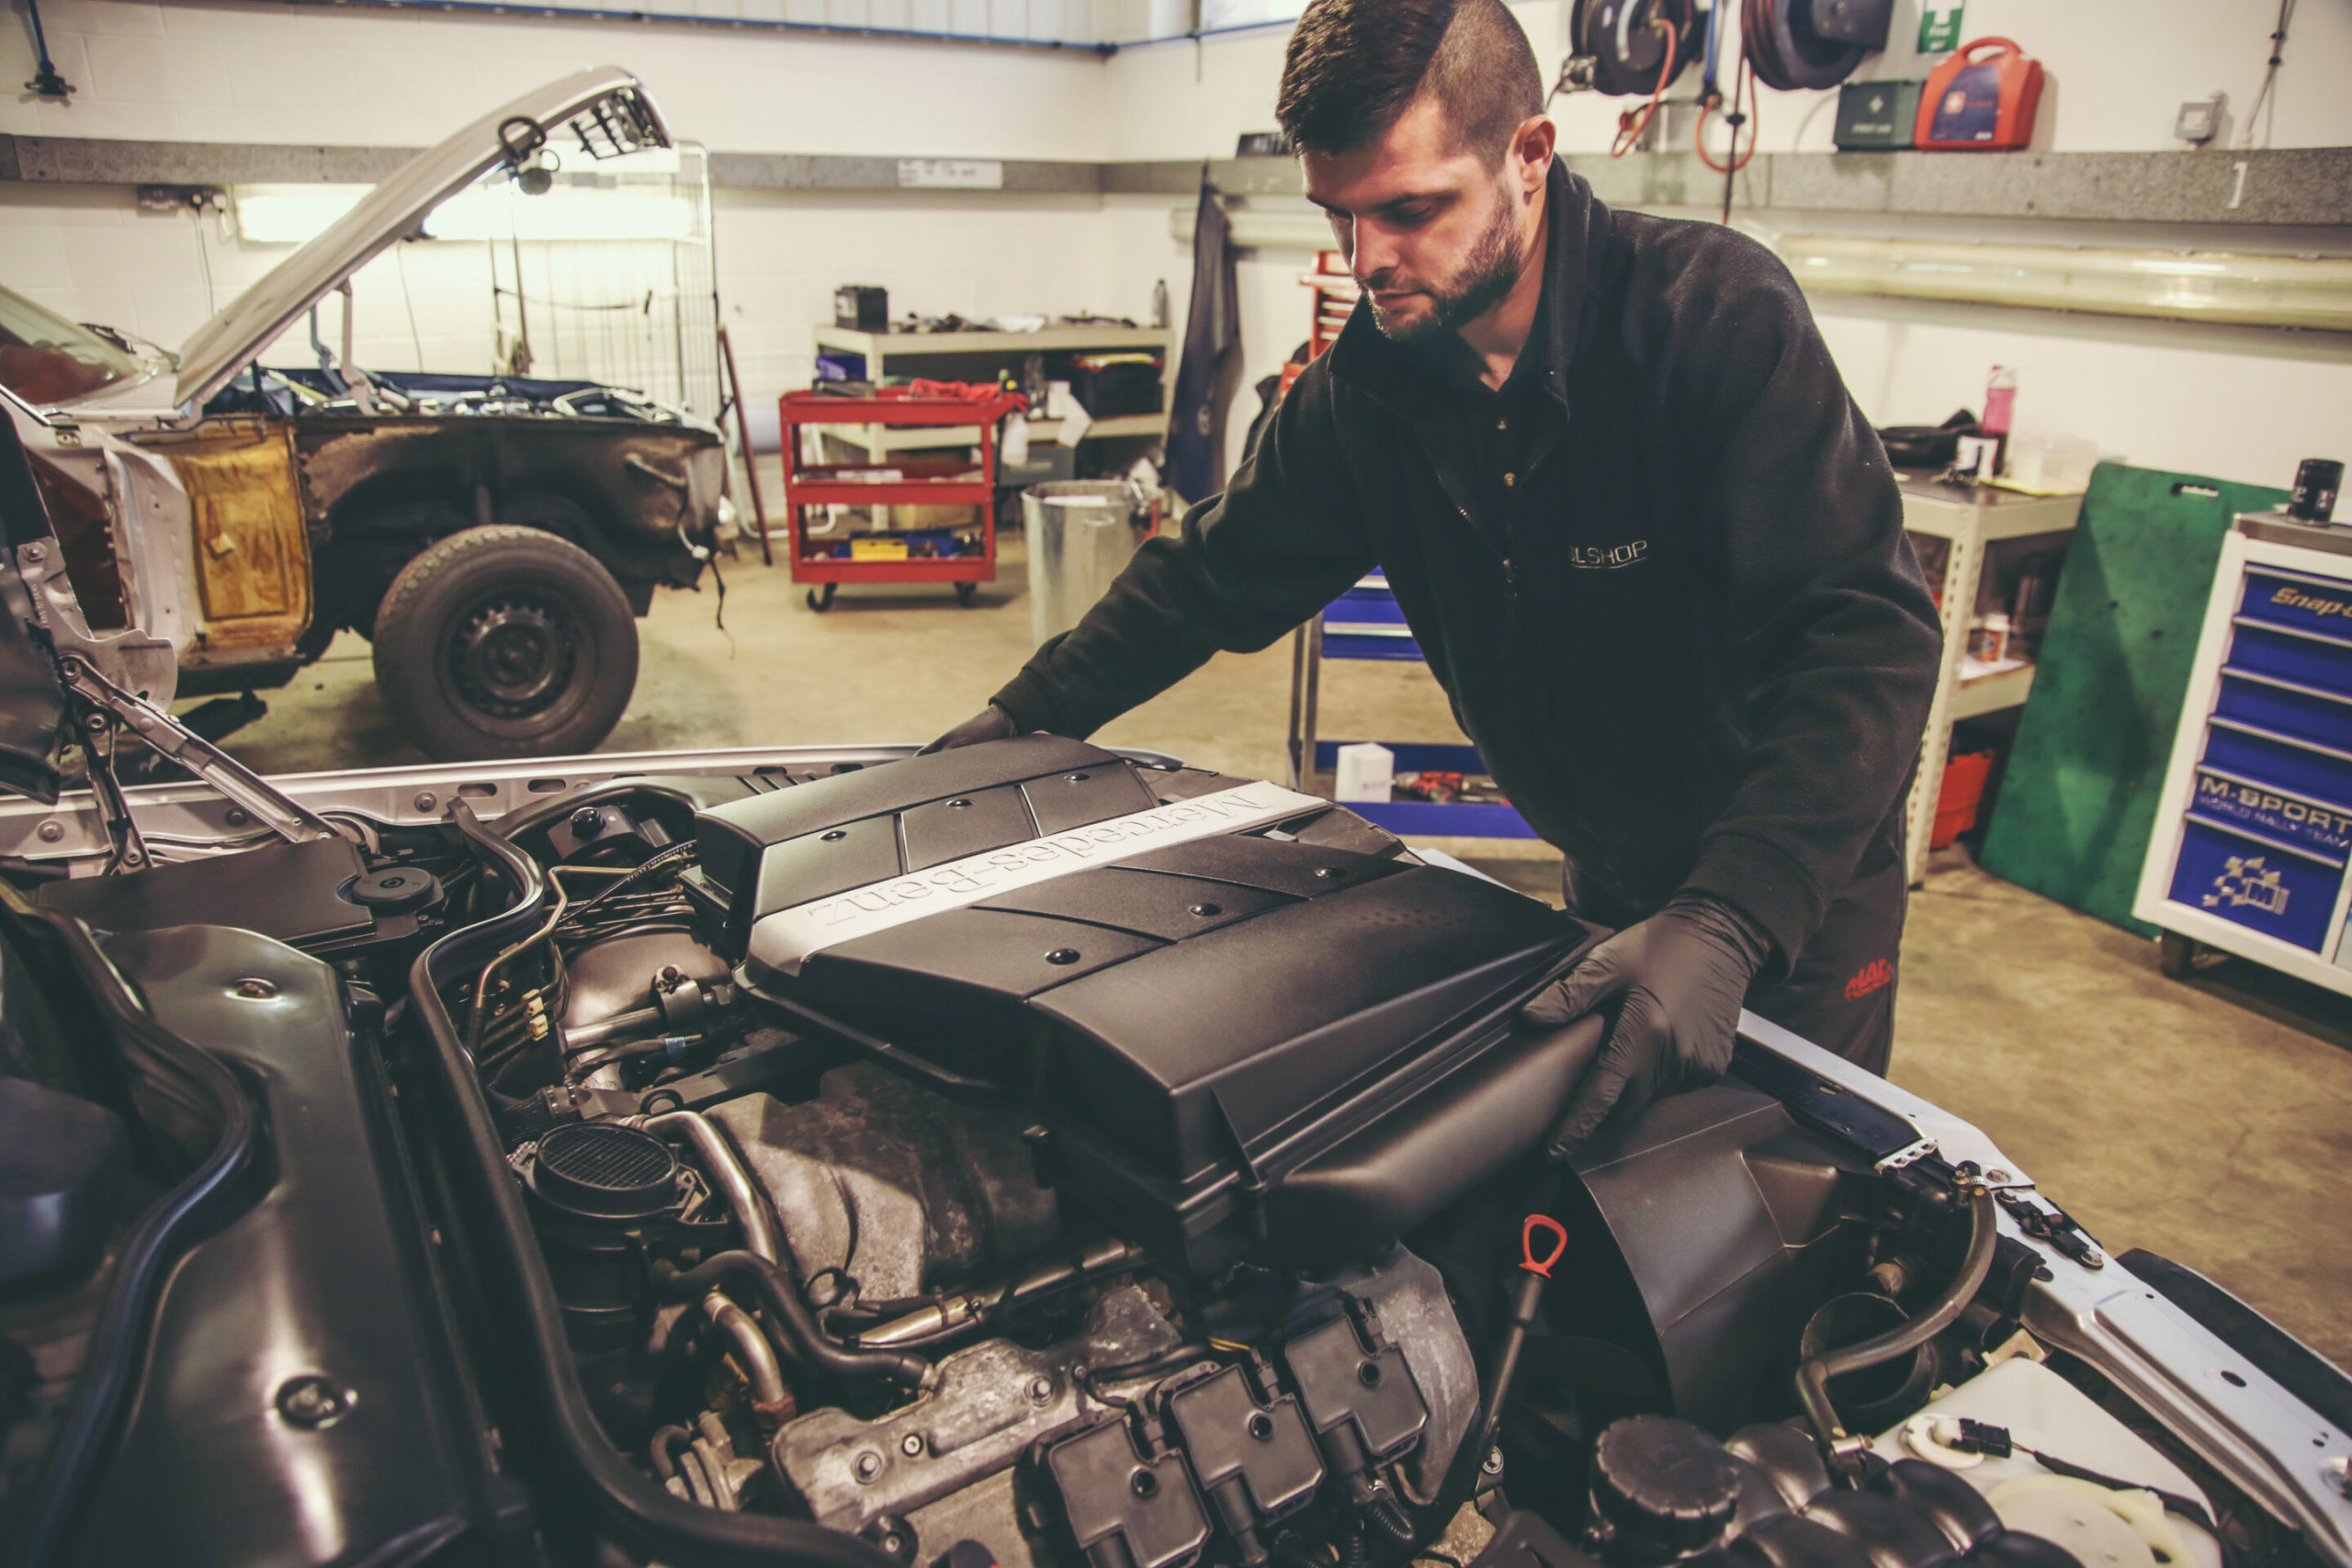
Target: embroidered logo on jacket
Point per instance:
(1872, 975)
(1599, 558)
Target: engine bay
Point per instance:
(1032, 1155)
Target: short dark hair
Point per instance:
(1353, 66)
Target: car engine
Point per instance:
(1000, 1148)
(1034, 1154)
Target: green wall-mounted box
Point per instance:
(1873, 116)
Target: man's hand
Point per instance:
(992, 723)
(1677, 979)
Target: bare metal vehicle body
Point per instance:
(1028, 1154)
(244, 514)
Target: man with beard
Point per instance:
(1644, 538)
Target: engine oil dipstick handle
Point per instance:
(1530, 1262)
(1532, 1274)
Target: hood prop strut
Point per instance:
(249, 791)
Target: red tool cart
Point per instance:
(1335, 300)
(914, 478)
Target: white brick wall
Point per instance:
(2243, 404)
(272, 72)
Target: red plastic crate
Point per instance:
(1963, 793)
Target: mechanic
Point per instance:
(1645, 540)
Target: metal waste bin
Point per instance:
(1080, 534)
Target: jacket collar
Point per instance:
(1577, 224)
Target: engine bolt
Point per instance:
(425, 800)
(255, 990)
(236, 818)
(1205, 911)
(587, 822)
(312, 1402)
(911, 1445)
(1062, 956)
(957, 805)
(1074, 778)
(1329, 872)
(1041, 1390)
(867, 1466)
(51, 831)
(833, 837)
(1494, 1463)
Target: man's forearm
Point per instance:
(1135, 642)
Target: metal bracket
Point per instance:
(256, 795)
(131, 659)
(1910, 1154)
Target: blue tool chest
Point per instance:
(2254, 831)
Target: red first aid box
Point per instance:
(1982, 99)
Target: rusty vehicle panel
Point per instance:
(492, 536)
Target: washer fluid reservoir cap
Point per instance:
(601, 1171)
(393, 888)
(1665, 1487)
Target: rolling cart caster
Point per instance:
(965, 592)
(2181, 958)
(822, 598)
(2176, 955)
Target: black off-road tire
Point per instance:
(506, 641)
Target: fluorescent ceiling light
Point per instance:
(291, 215)
(2205, 286)
(500, 210)
(616, 208)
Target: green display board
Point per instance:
(2079, 799)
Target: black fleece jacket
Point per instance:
(1697, 654)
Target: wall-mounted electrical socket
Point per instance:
(2200, 122)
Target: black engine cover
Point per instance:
(1197, 984)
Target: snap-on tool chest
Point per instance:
(2254, 832)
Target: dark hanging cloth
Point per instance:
(1212, 337)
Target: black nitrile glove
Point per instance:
(992, 723)
(1677, 979)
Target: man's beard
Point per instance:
(1484, 282)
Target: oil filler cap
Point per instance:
(1663, 1486)
(394, 888)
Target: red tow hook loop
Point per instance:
(1532, 1263)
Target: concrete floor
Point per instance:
(2210, 1122)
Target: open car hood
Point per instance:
(32, 694)
(605, 107)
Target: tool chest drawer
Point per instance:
(2297, 600)
(2320, 828)
(1366, 623)
(2265, 702)
(2256, 883)
(2308, 659)
(2278, 762)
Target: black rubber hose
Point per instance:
(540, 813)
(665, 1464)
(197, 1082)
(623, 1500)
(788, 1312)
(1812, 1378)
(1390, 1517)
